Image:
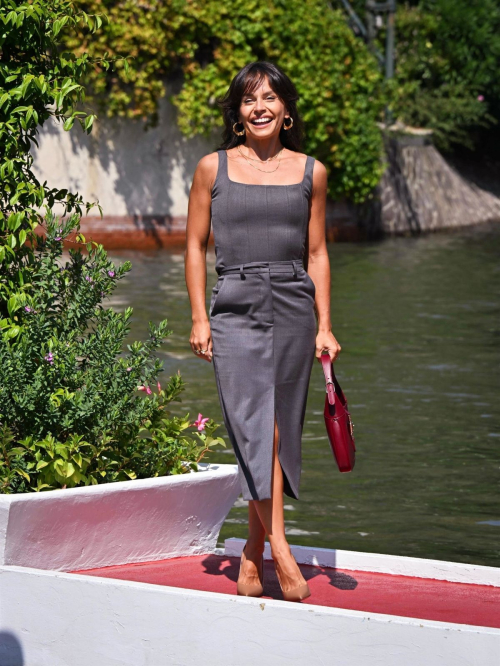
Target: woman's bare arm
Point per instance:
(197, 234)
(318, 265)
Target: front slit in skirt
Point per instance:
(263, 331)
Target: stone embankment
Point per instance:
(421, 191)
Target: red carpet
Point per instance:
(374, 592)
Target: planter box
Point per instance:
(118, 523)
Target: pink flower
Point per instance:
(480, 98)
(200, 422)
(141, 388)
(148, 390)
(159, 386)
(145, 388)
(111, 273)
(50, 359)
(129, 369)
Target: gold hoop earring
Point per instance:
(238, 133)
(287, 127)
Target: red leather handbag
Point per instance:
(337, 419)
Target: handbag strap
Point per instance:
(328, 372)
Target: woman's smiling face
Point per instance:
(262, 112)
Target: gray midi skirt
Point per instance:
(263, 331)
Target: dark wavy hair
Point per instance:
(246, 81)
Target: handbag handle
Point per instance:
(329, 375)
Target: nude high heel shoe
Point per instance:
(246, 590)
(297, 593)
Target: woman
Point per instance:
(266, 201)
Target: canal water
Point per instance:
(418, 321)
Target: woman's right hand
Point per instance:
(201, 340)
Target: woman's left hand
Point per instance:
(326, 340)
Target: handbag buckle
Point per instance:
(330, 392)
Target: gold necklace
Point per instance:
(256, 167)
(269, 159)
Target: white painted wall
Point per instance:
(118, 523)
(4, 519)
(129, 170)
(58, 619)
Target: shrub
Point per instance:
(74, 409)
(446, 67)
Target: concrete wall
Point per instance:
(140, 177)
(131, 171)
(142, 181)
(60, 619)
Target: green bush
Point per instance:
(208, 42)
(74, 409)
(338, 81)
(37, 82)
(447, 59)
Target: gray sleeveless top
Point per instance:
(259, 222)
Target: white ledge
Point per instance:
(455, 572)
(118, 523)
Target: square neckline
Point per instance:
(236, 182)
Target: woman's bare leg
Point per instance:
(267, 517)
(252, 557)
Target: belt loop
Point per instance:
(242, 275)
(294, 269)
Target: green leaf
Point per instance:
(15, 199)
(89, 121)
(22, 473)
(40, 486)
(12, 305)
(130, 473)
(12, 332)
(70, 469)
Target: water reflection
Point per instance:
(418, 321)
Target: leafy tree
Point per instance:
(37, 82)
(447, 58)
(209, 41)
(70, 410)
(150, 34)
(336, 77)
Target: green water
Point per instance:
(418, 321)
